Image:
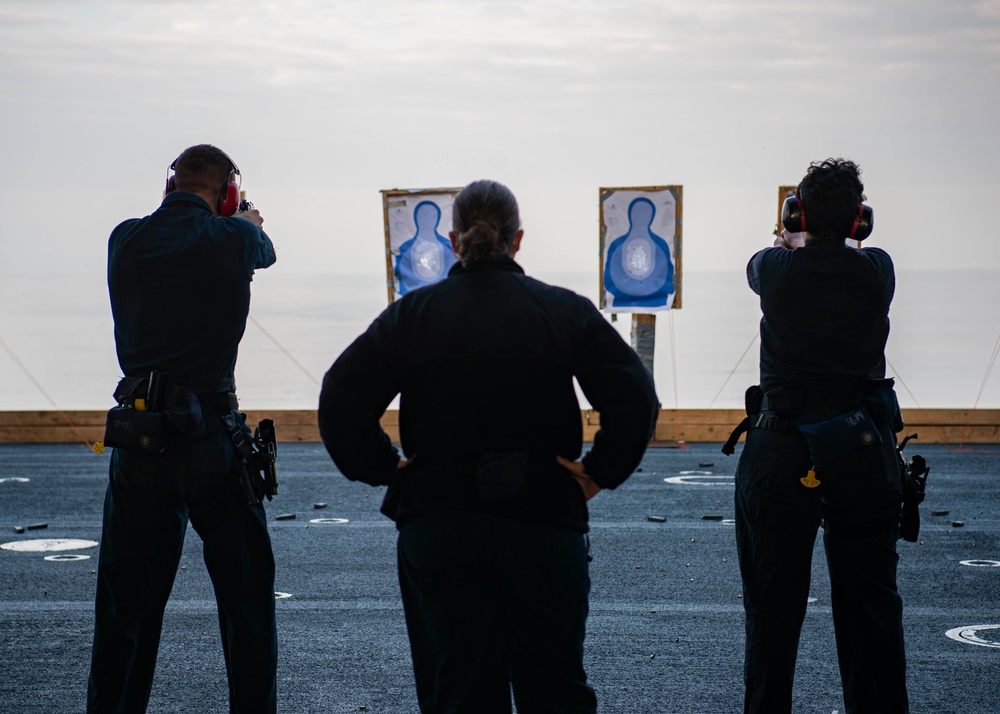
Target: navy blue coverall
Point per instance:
(491, 553)
(179, 282)
(823, 333)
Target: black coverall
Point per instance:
(823, 332)
(179, 282)
(492, 555)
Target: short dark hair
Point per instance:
(203, 168)
(830, 194)
(484, 219)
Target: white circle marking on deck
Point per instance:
(66, 557)
(47, 545)
(970, 635)
(281, 596)
(329, 520)
(14, 479)
(699, 478)
(980, 563)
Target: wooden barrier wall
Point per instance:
(935, 426)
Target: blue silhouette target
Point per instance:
(638, 263)
(417, 223)
(427, 256)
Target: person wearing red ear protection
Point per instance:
(179, 282)
(209, 173)
(823, 332)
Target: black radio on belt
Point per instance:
(156, 397)
(138, 423)
(153, 413)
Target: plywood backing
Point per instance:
(935, 426)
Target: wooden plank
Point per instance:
(701, 416)
(53, 418)
(306, 434)
(956, 434)
(935, 426)
(951, 416)
(50, 434)
(283, 418)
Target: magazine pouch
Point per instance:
(135, 426)
(139, 431)
(185, 415)
(841, 437)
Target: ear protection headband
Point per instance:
(229, 196)
(793, 218)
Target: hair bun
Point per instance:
(485, 220)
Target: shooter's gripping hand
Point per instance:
(253, 215)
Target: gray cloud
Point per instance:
(725, 96)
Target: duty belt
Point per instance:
(818, 400)
(770, 422)
(219, 401)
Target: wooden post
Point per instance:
(644, 339)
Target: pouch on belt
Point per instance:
(835, 439)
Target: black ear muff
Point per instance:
(863, 224)
(229, 199)
(792, 216)
(171, 184)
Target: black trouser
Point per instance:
(146, 510)
(493, 604)
(777, 518)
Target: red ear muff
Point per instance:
(229, 200)
(792, 216)
(863, 224)
(229, 197)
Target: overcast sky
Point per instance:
(323, 103)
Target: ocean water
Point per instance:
(57, 345)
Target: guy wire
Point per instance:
(735, 367)
(41, 389)
(982, 388)
(900, 378)
(285, 352)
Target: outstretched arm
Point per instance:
(789, 240)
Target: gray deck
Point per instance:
(666, 627)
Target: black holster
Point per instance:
(752, 401)
(913, 474)
(256, 456)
